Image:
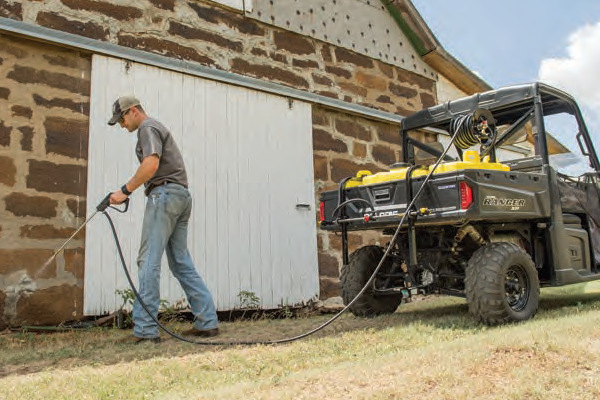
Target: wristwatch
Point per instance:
(125, 191)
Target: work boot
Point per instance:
(137, 340)
(201, 333)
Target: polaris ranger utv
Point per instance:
(502, 212)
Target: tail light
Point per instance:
(322, 211)
(466, 196)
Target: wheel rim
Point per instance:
(516, 287)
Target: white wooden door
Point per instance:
(249, 161)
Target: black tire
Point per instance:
(361, 265)
(502, 284)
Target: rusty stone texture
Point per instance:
(26, 138)
(322, 140)
(354, 89)
(278, 57)
(23, 74)
(404, 111)
(5, 134)
(427, 100)
(62, 61)
(319, 117)
(389, 133)
(118, 12)
(8, 171)
(326, 93)
(305, 63)
(3, 324)
(28, 260)
(57, 178)
(77, 207)
(4, 93)
(68, 137)
(216, 16)
(322, 80)
(329, 288)
(175, 28)
(47, 232)
(320, 168)
(328, 265)
(168, 5)
(50, 306)
(402, 91)
(75, 262)
(383, 154)
(347, 56)
(341, 72)
(14, 47)
(259, 52)
(21, 111)
(371, 81)
(86, 29)
(359, 150)
(326, 52)
(355, 240)
(293, 43)
(353, 129)
(386, 69)
(242, 66)
(11, 10)
(164, 47)
(411, 78)
(384, 99)
(55, 102)
(209, 14)
(23, 205)
(342, 168)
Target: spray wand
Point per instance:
(104, 204)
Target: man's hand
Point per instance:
(117, 197)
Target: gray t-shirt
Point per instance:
(155, 138)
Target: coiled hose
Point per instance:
(478, 127)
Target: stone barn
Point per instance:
(270, 101)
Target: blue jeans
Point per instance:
(165, 227)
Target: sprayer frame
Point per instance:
(543, 229)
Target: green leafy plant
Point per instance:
(248, 300)
(124, 317)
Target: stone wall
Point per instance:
(44, 109)
(223, 39)
(43, 136)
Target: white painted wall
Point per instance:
(237, 4)
(446, 90)
(250, 162)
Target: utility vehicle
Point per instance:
(512, 205)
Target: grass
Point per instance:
(427, 349)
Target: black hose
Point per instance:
(350, 201)
(477, 127)
(213, 343)
(458, 131)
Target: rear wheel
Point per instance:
(502, 284)
(361, 265)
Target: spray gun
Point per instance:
(104, 204)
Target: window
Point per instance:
(564, 152)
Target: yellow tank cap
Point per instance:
(471, 156)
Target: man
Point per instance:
(165, 225)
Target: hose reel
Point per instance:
(475, 128)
